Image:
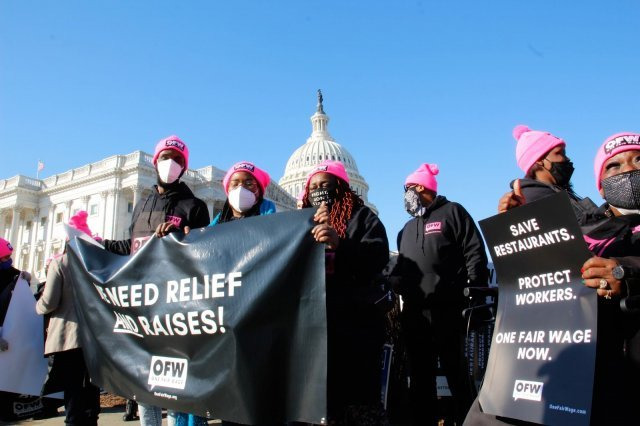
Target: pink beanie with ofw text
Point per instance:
(612, 146)
(260, 175)
(174, 143)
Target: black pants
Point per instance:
(81, 398)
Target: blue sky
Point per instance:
(404, 83)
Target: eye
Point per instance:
(612, 165)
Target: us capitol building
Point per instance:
(33, 211)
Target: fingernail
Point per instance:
(581, 269)
(583, 283)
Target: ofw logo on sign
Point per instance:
(168, 372)
(524, 389)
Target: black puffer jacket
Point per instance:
(177, 204)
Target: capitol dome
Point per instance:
(321, 146)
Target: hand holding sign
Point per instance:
(511, 199)
(324, 232)
(597, 273)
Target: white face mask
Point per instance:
(168, 170)
(241, 199)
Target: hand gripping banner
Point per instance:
(228, 321)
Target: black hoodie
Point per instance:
(440, 253)
(176, 204)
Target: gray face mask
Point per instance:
(623, 190)
(412, 203)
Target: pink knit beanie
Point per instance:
(612, 146)
(172, 142)
(532, 145)
(79, 222)
(5, 248)
(332, 167)
(425, 175)
(260, 175)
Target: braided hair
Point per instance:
(342, 208)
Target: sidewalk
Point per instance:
(108, 417)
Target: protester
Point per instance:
(245, 185)
(548, 170)
(357, 250)
(8, 278)
(81, 398)
(170, 207)
(440, 251)
(613, 235)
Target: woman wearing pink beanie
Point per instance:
(547, 168)
(356, 251)
(245, 185)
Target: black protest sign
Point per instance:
(542, 354)
(228, 321)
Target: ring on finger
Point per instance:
(603, 283)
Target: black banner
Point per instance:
(228, 321)
(542, 354)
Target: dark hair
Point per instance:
(342, 207)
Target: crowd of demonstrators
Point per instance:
(356, 251)
(440, 252)
(171, 206)
(68, 371)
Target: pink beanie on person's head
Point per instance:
(172, 142)
(5, 248)
(260, 175)
(532, 145)
(79, 222)
(335, 168)
(612, 146)
(425, 175)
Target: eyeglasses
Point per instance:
(247, 183)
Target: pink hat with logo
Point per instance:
(260, 175)
(425, 176)
(5, 248)
(612, 146)
(332, 167)
(533, 145)
(79, 222)
(175, 143)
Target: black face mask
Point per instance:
(317, 196)
(562, 172)
(623, 190)
(412, 203)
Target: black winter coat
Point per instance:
(355, 328)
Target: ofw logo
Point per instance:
(168, 372)
(524, 389)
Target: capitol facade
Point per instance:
(33, 211)
(321, 146)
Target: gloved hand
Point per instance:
(4, 345)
